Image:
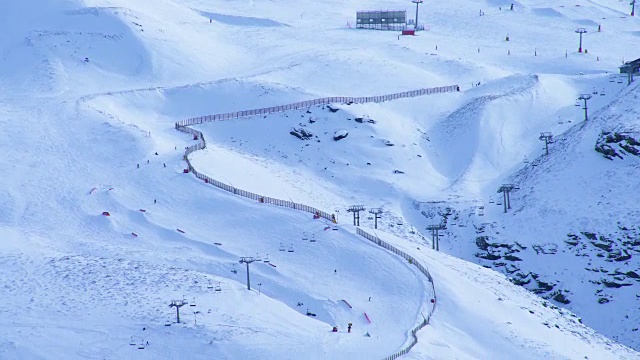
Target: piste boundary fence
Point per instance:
(321, 101)
(183, 126)
(376, 240)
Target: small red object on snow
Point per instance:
(180, 231)
(408, 32)
(106, 213)
(433, 301)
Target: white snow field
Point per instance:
(101, 230)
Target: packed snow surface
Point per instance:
(102, 230)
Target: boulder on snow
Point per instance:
(340, 134)
(301, 133)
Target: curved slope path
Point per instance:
(183, 126)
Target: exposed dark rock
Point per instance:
(543, 287)
(623, 258)
(605, 247)
(632, 274)
(481, 242)
(488, 256)
(512, 258)
(301, 133)
(612, 284)
(340, 134)
(559, 297)
(626, 143)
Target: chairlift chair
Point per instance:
(290, 248)
(218, 287)
(577, 103)
(234, 270)
(313, 238)
(602, 93)
(193, 303)
(133, 342)
(281, 247)
(167, 323)
(266, 258)
(141, 346)
(619, 81)
(258, 258)
(305, 236)
(210, 286)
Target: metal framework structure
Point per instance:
(355, 209)
(247, 260)
(581, 31)
(585, 97)
(376, 214)
(417, 2)
(381, 19)
(630, 68)
(548, 139)
(506, 189)
(178, 304)
(435, 235)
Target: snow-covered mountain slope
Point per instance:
(92, 89)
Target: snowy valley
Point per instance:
(104, 225)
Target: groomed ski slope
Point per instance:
(79, 284)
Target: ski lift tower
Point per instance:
(581, 31)
(633, 7)
(376, 214)
(435, 235)
(355, 209)
(548, 139)
(417, 2)
(585, 97)
(247, 260)
(505, 189)
(178, 304)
